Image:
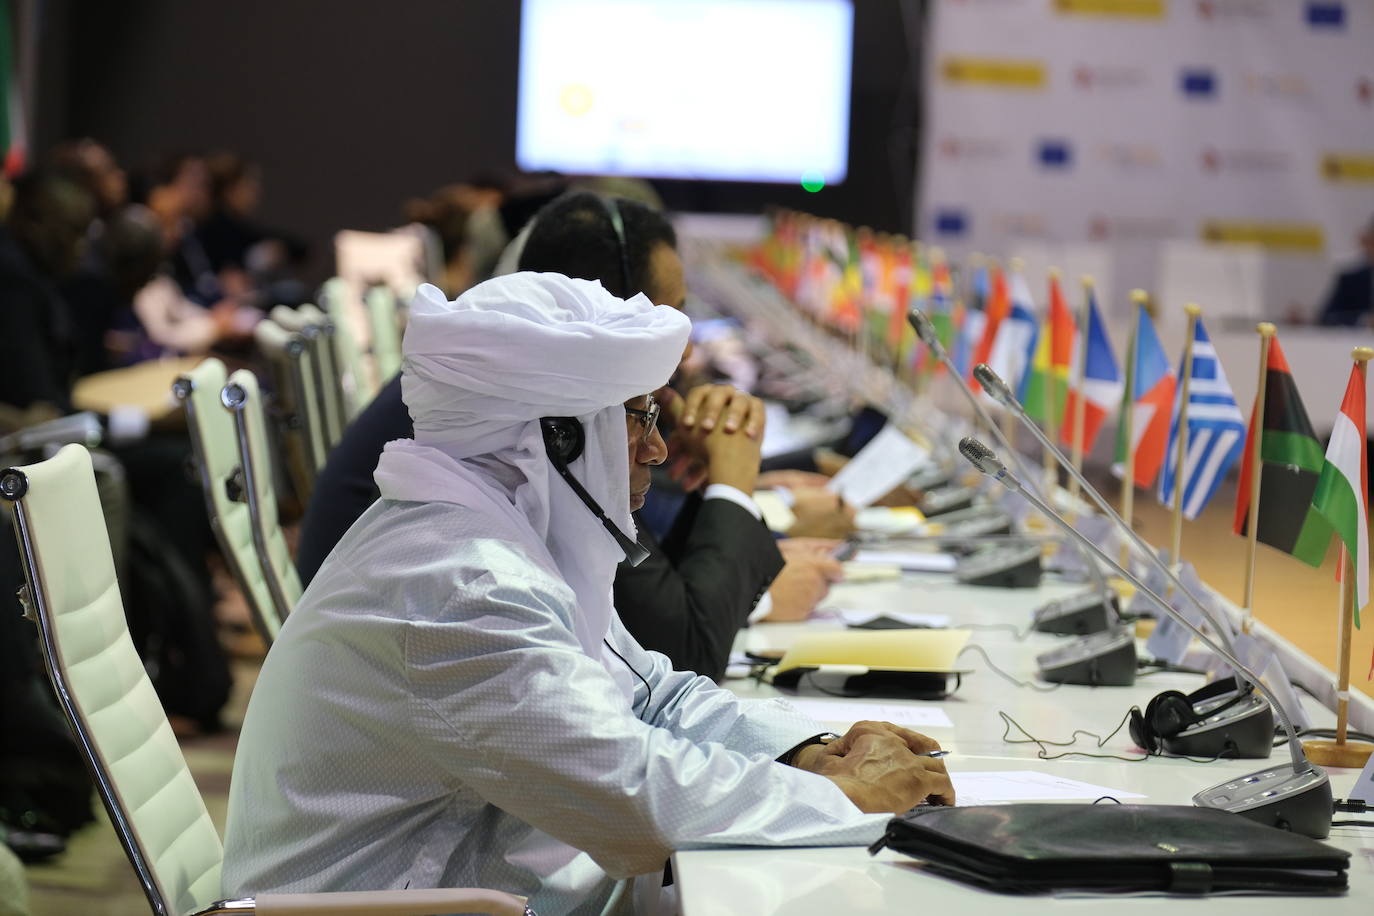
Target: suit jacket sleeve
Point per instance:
(1349, 300)
(695, 591)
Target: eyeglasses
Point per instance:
(647, 418)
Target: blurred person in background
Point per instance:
(42, 244)
(251, 260)
(1351, 300)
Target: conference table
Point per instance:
(799, 881)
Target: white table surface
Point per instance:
(830, 881)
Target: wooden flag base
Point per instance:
(1350, 754)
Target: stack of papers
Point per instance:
(1026, 785)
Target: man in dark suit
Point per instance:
(1351, 300)
(717, 561)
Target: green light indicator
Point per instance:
(812, 180)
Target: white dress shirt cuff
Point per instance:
(735, 495)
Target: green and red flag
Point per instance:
(13, 131)
(1290, 465)
(1047, 382)
(1342, 496)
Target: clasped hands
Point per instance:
(876, 765)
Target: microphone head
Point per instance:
(992, 383)
(923, 328)
(978, 454)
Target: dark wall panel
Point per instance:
(352, 105)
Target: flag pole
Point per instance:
(1266, 333)
(1138, 300)
(1050, 396)
(1079, 404)
(1176, 550)
(1342, 753)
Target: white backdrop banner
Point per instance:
(1197, 148)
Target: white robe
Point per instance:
(428, 718)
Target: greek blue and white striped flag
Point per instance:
(1216, 430)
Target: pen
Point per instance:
(932, 753)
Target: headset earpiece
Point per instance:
(1170, 712)
(564, 439)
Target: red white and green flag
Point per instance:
(1341, 496)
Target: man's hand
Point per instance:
(716, 438)
(803, 582)
(792, 480)
(876, 765)
(820, 513)
(711, 406)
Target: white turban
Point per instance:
(478, 373)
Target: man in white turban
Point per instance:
(454, 701)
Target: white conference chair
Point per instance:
(241, 397)
(315, 327)
(355, 381)
(295, 404)
(139, 771)
(386, 332)
(215, 445)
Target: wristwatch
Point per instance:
(825, 738)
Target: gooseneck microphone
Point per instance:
(931, 338)
(999, 391)
(1297, 797)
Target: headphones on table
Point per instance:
(1169, 713)
(564, 441)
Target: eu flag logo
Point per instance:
(1199, 83)
(951, 222)
(1326, 15)
(1055, 154)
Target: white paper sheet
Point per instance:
(915, 561)
(887, 460)
(855, 617)
(847, 713)
(1026, 785)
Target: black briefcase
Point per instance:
(1108, 848)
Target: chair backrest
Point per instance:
(243, 400)
(315, 328)
(355, 379)
(217, 456)
(386, 332)
(102, 687)
(301, 422)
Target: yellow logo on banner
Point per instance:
(1348, 167)
(1293, 236)
(1137, 9)
(992, 71)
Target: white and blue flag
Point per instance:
(1216, 430)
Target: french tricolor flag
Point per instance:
(1100, 387)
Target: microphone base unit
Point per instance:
(1245, 730)
(1005, 566)
(977, 522)
(1106, 659)
(930, 478)
(1077, 615)
(1278, 797)
(945, 500)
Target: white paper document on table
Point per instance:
(913, 561)
(887, 460)
(1026, 785)
(923, 716)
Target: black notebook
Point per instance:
(1108, 848)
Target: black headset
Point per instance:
(564, 440)
(1169, 713)
(618, 227)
